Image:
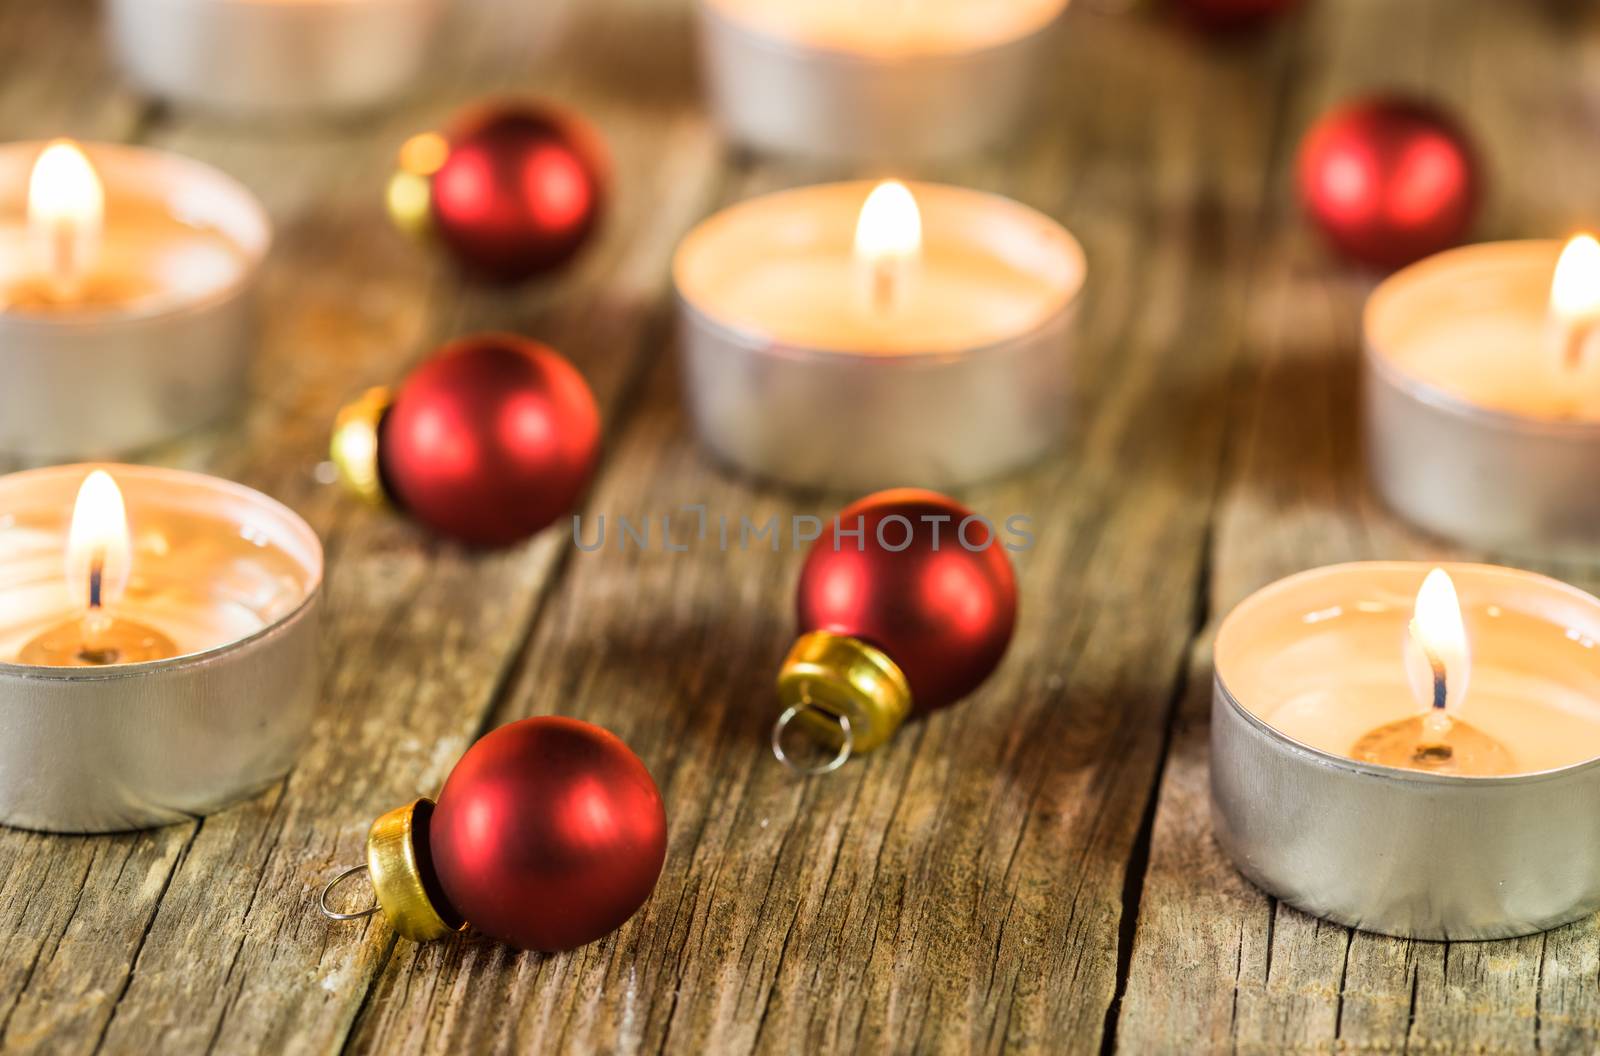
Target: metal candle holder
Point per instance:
(271, 57)
(106, 381)
(792, 97)
(1484, 476)
(1398, 852)
(862, 419)
(101, 749)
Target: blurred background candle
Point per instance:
(886, 79)
(1482, 394)
(126, 284)
(856, 336)
(157, 644)
(1413, 750)
(274, 57)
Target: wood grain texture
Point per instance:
(1030, 871)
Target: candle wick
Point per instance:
(1440, 689)
(64, 250)
(883, 285)
(97, 575)
(1577, 338)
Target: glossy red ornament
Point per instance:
(1233, 14)
(519, 190)
(1389, 180)
(939, 599)
(490, 440)
(549, 834)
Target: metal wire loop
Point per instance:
(332, 914)
(789, 715)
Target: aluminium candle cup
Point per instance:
(108, 380)
(274, 57)
(860, 419)
(136, 745)
(793, 97)
(1386, 850)
(1492, 478)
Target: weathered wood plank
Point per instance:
(961, 890)
(1257, 976)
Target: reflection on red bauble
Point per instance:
(1389, 180)
(490, 440)
(1233, 14)
(549, 834)
(519, 190)
(942, 608)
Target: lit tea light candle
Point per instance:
(859, 78)
(126, 283)
(157, 655)
(1482, 393)
(98, 556)
(1413, 751)
(858, 336)
(274, 57)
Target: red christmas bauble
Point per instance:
(519, 191)
(490, 440)
(1233, 14)
(927, 582)
(1389, 180)
(549, 834)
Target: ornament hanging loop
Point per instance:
(792, 712)
(333, 914)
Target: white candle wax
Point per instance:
(149, 247)
(784, 268)
(1477, 324)
(894, 29)
(211, 562)
(1320, 658)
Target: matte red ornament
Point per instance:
(1389, 180)
(1233, 14)
(928, 583)
(490, 440)
(520, 190)
(549, 834)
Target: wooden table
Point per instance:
(1031, 870)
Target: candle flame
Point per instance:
(888, 243)
(890, 227)
(1438, 660)
(66, 209)
(99, 552)
(1575, 290)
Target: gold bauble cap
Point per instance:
(409, 196)
(354, 448)
(397, 874)
(827, 675)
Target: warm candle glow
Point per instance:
(66, 208)
(1437, 657)
(1575, 302)
(1575, 290)
(888, 242)
(99, 553)
(890, 225)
